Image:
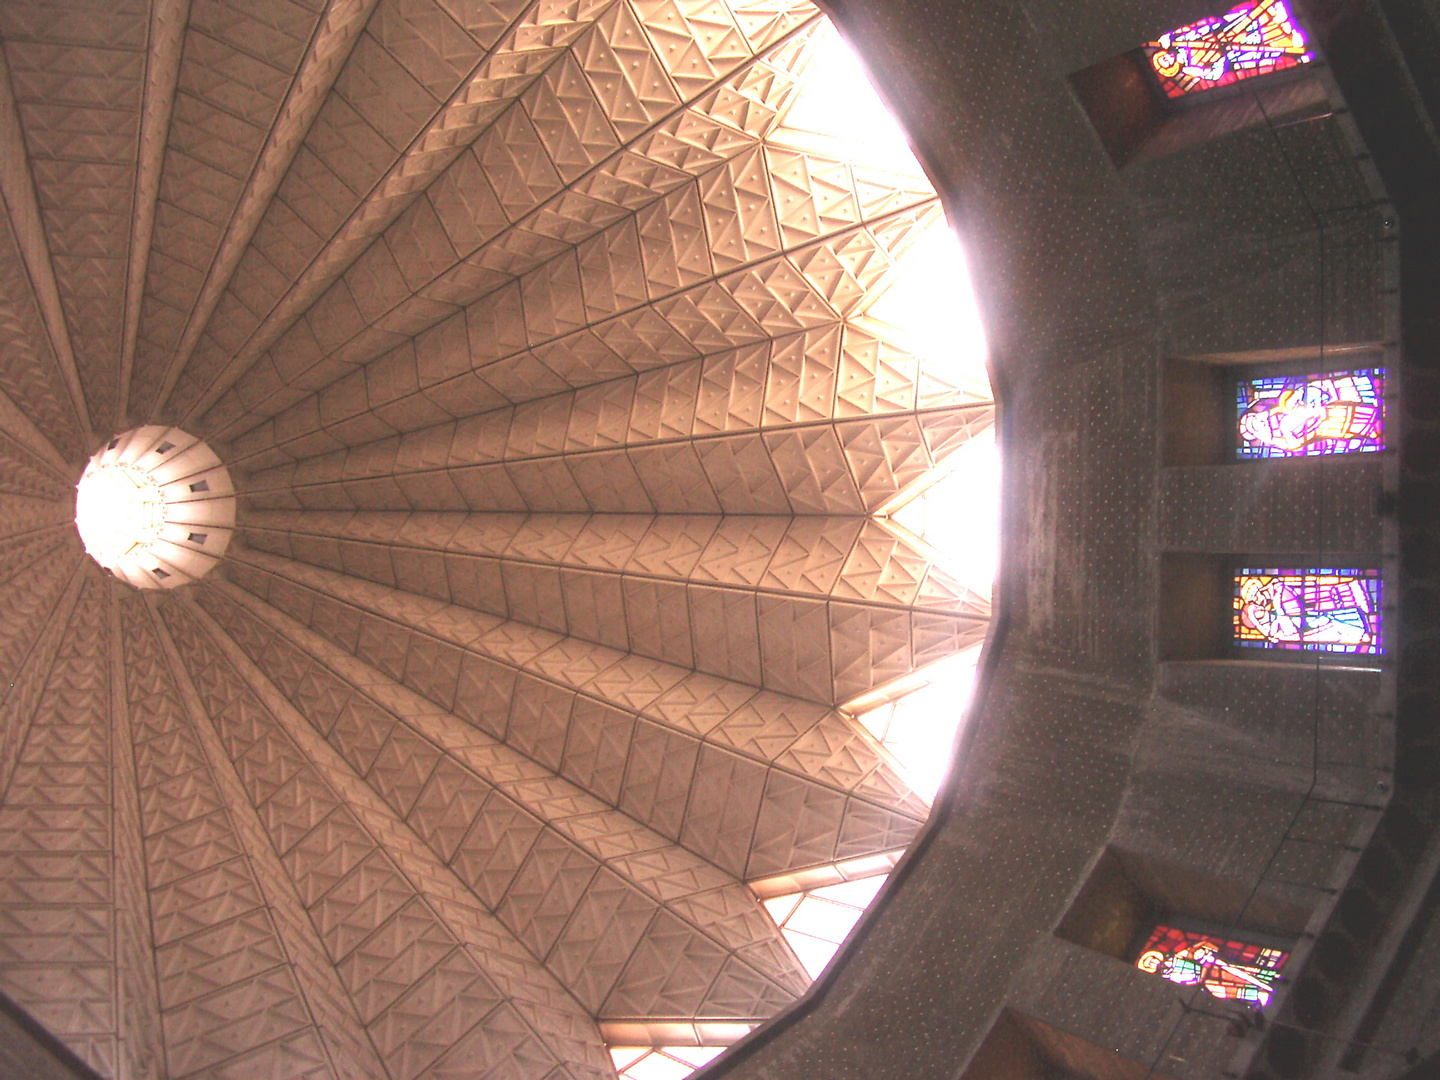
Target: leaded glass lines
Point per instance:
(1309, 415)
(1255, 38)
(1231, 970)
(1321, 610)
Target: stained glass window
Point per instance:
(1318, 609)
(1256, 38)
(1304, 415)
(1229, 969)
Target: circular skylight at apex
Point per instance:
(119, 511)
(155, 507)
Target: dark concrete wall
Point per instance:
(1240, 790)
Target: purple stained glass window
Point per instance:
(1256, 38)
(1305, 415)
(1235, 970)
(1322, 610)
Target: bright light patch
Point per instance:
(924, 306)
(929, 305)
(958, 515)
(155, 507)
(918, 726)
(119, 511)
(919, 303)
(661, 1062)
(838, 102)
(926, 298)
(816, 921)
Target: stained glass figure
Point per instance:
(1256, 38)
(1235, 970)
(1318, 609)
(1305, 415)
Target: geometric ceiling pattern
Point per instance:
(547, 344)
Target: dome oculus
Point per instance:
(119, 510)
(155, 507)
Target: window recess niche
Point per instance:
(1201, 604)
(1128, 894)
(1020, 1047)
(1200, 403)
(1135, 118)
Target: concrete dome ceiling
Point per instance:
(543, 356)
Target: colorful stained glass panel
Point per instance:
(1256, 38)
(1235, 970)
(1305, 415)
(1323, 610)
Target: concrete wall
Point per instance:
(1237, 790)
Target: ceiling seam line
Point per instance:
(168, 24)
(219, 385)
(355, 28)
(336, 33)
(715, 278)
(790, 425)
(65, 601)
(17, 190)
(25, 433)
(704, 740)
(125, 770)
(307, 743)
(643, 575)
(225, 774)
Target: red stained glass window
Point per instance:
(1256, 38)
(1234, 970)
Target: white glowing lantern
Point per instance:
(155, 507)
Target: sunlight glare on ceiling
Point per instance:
(958, 515)
(929, 302)
(838, 102)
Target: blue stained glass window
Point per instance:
(1255, 38)
(1305, 415)
(1324, 610)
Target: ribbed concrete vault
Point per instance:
(541, 348)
